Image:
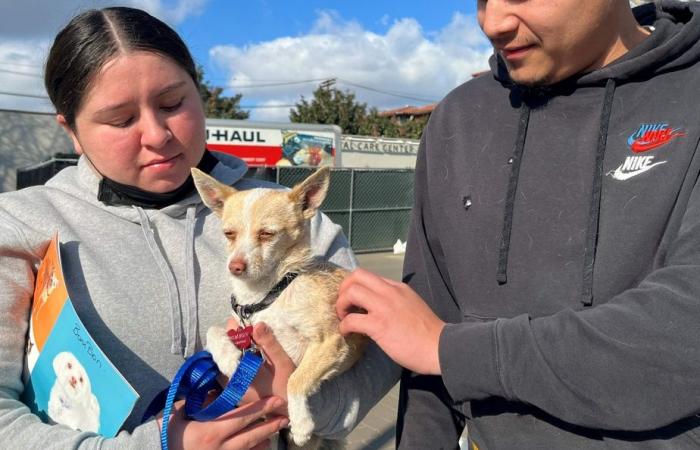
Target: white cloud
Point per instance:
(172, 12)
(27, 29)
(404, 60)
(21, 65)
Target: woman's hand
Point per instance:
(274, 373)
(396, 318)
(246, 427)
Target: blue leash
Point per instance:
(193, 381)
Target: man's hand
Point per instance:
(397, 319)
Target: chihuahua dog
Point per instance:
(275, 279)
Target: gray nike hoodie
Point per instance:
(558, 231)
(147, 283)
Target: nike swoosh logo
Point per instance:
(622, 176)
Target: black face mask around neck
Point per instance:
(116, 194)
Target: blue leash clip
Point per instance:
(193, 381)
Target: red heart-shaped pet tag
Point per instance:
(242, 337)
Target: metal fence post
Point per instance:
(352, 201)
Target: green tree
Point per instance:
(217, 106)
(330, 105)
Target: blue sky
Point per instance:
(391, 53)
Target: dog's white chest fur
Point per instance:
(288, 330)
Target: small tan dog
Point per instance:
(269, 254)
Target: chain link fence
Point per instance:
(372, 205)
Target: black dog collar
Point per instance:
(245, 312)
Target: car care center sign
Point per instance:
(262, 146)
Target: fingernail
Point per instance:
(276, 403)
(264, 329)
(284, 423)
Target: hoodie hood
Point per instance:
(229, 170)
(182, 295)
(675, 43)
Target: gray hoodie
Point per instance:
(147, 283)
(558, 231)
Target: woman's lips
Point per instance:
(162, 164)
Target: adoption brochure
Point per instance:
(68, 379)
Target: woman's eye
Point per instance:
(123, 123)
(172, 107)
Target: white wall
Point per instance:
(378, 153)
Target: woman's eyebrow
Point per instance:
(171, 87)
(165, 90)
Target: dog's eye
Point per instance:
(265, 235)
(70, 366)
(230, 235)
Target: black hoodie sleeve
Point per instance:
(629, 364)
(426, 414)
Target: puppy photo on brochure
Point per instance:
(275, 279)
(72, 402)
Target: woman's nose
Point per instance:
(154, 132)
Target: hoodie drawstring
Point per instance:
(190, 300)
(502, 276)
(594, 212)
(191, 316)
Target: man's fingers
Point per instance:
(255, 435)
(356, 323)
(354, 296)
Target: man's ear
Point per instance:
(310, 193)
(61, 119)
(213, 193)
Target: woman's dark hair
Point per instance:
(95, 36)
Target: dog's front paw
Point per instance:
(226, 355)
(301, 423)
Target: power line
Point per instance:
(17, 64)
(340, 80)
(35, 75)
(16, 94)
(265, 106)
(381, 91)
(281, 83)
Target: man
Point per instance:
(555, 238)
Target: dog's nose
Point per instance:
(237, 266)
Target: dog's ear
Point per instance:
(213, 193)
(310, 193)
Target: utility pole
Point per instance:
(328, 84)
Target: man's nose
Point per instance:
(498, 18)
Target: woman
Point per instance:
(143, 257)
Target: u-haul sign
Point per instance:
(275, 144)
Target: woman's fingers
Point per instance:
(256, 435)
(233, 422)
(273, 350)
